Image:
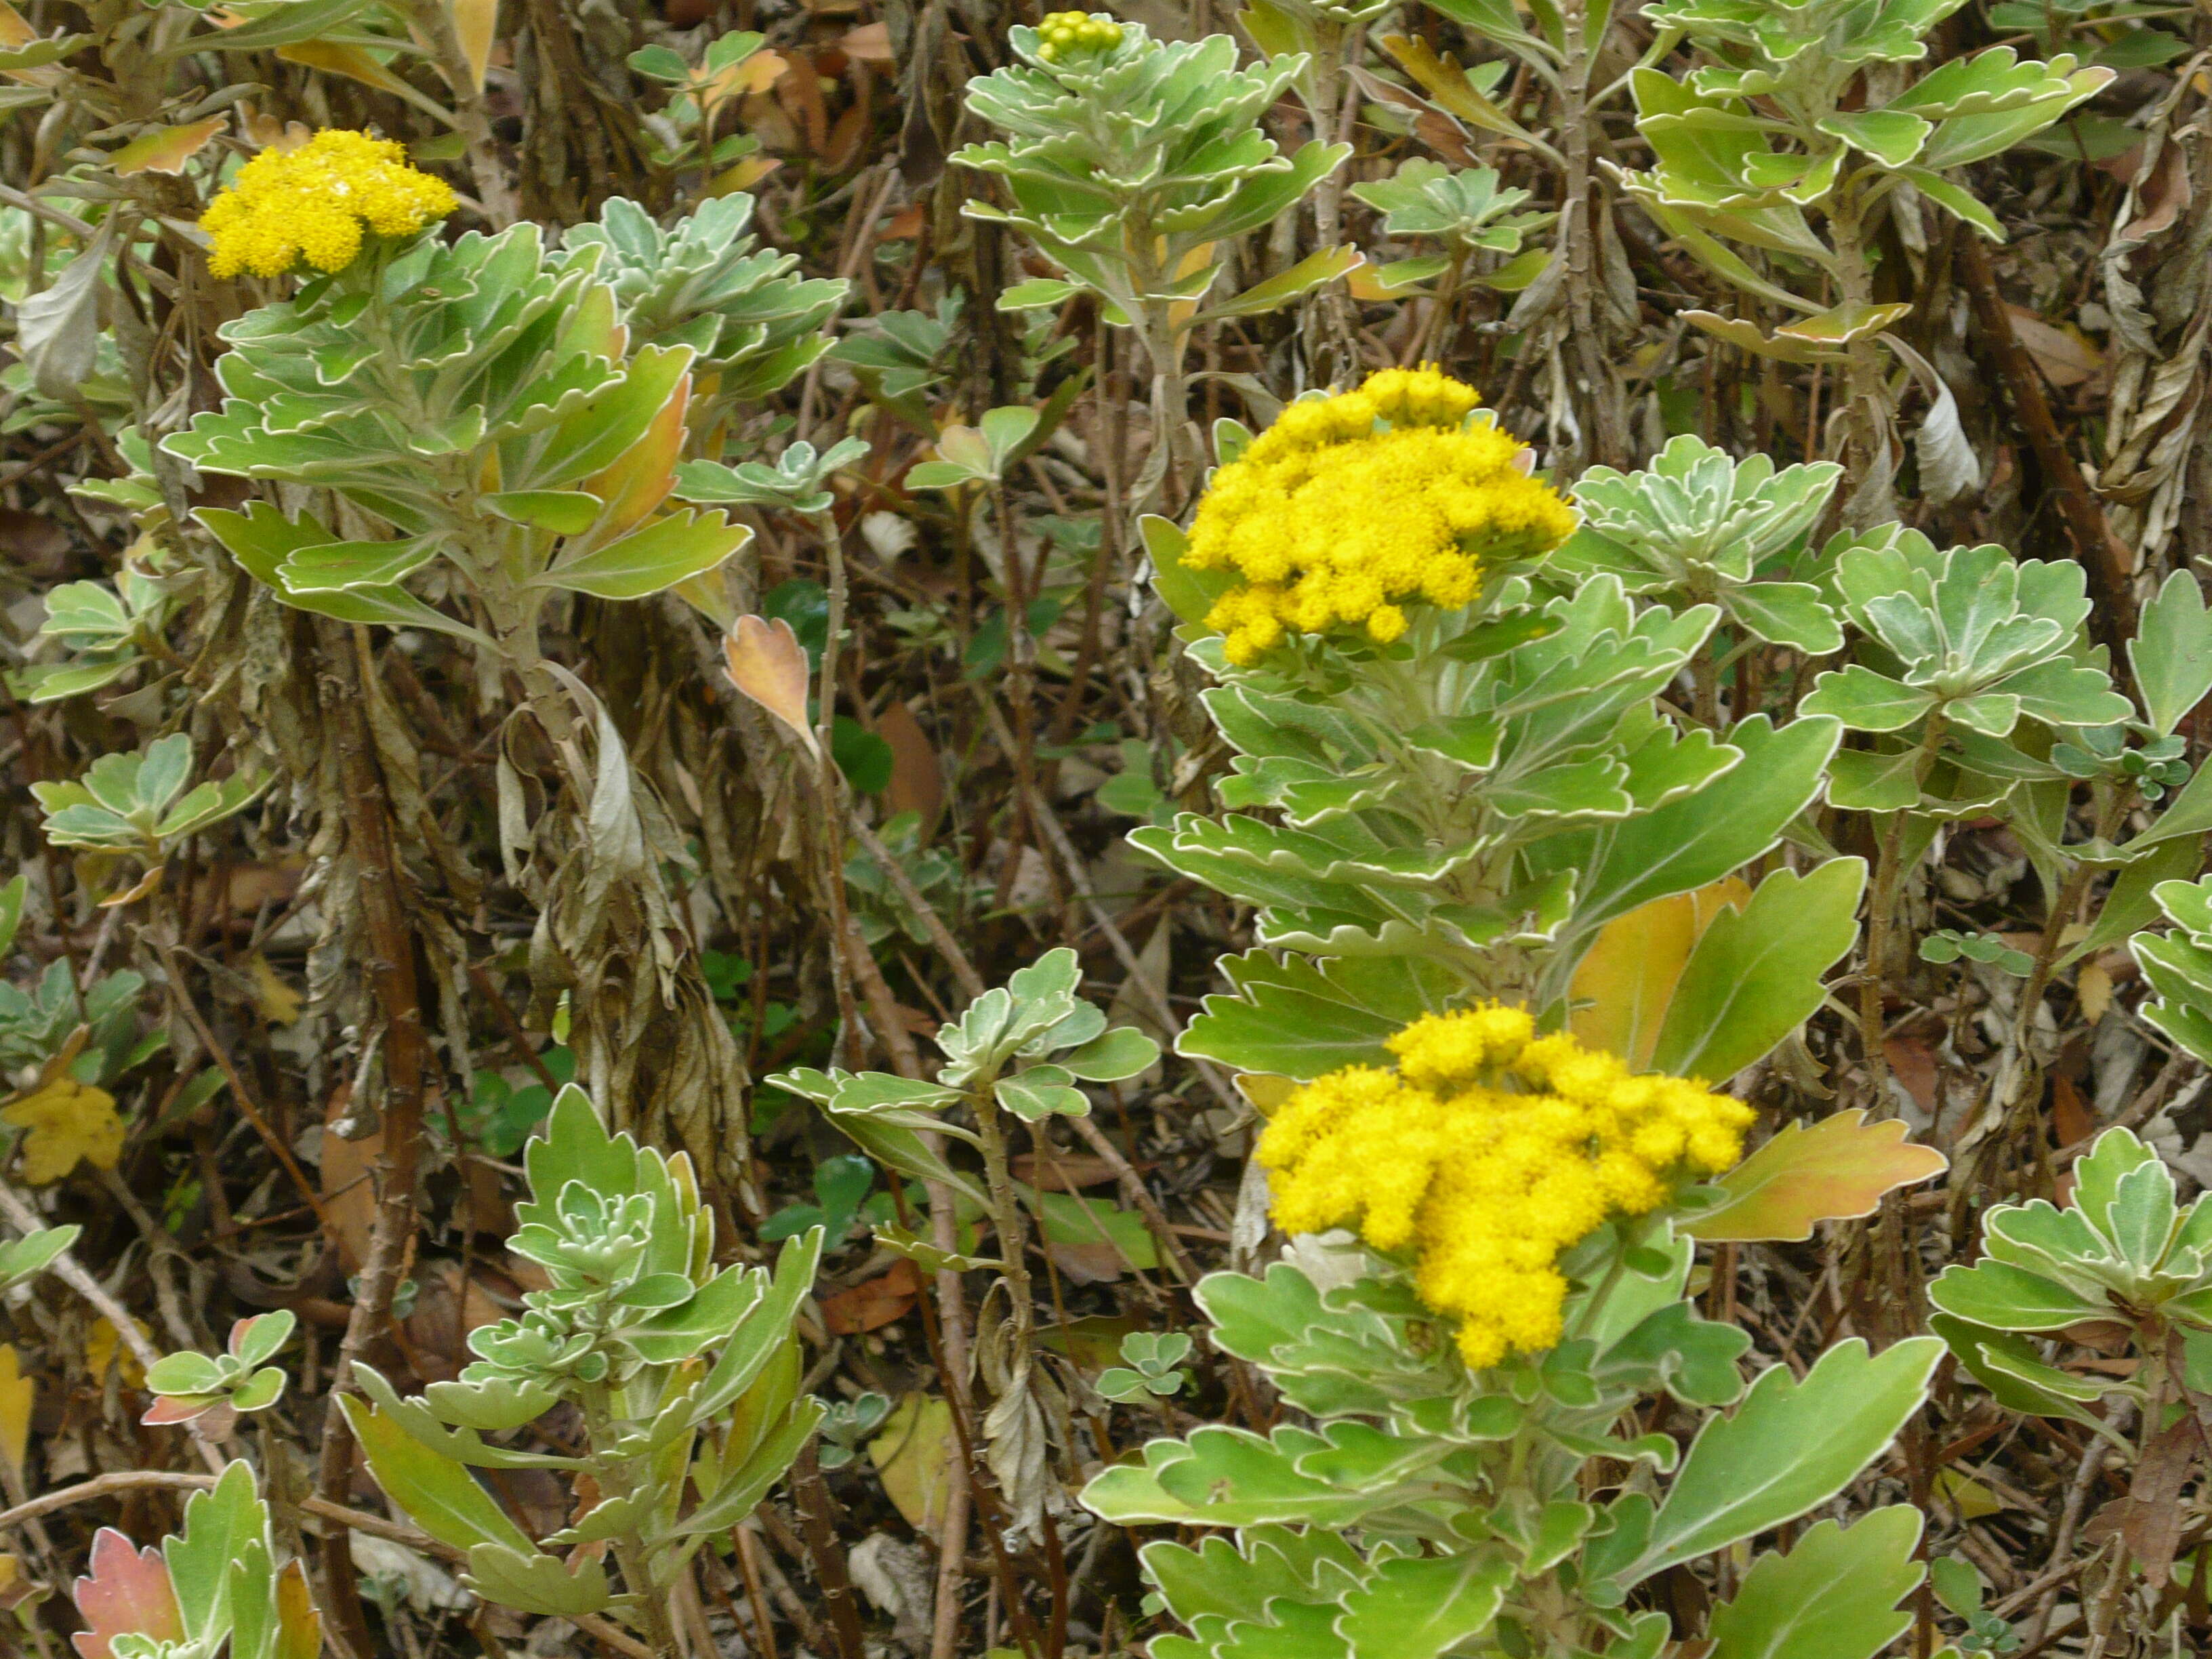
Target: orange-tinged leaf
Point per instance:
(67, 1120)
(640, 480)
(127, 1593)
(768, 665)
(335, 57)
(299, 1626)
(749, 75)
(1629, 976)
(871, 43)
(16, 30)
(476, 23)
(165, 150)
(1836, 1171)
(17, 1392)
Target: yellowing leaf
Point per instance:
(1629, 976)
(912, 1458)
(2094, 987)
(278, 1002)
(17, 1391)
(744, 175)
(1968, 1497)
(1836, 1169)
(165, 150)
(475, 23)
(1265, 1092)
(103, 1347)
(335, 57)
(67, 1120)
(768, 665)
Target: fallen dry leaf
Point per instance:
(2065, 358)
(66, 1121)
(874, 1303)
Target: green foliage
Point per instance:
(1149, 1359)
(996, 1055)
(1460, 813)
(1771, 131)
(23, 1259)
(684, 1377)
(1464, 210)
(2178, 966)
(1961, 646)
(138, 804)
(192, 1387)
(1124, 167)
(496, 407)
(213, 1588)
(1430, 1509)
(706, 284)
(107, 631)
(1701, 528)
(2123, 1250)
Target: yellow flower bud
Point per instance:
(315, 204)
(1351, 507)
(1484, 1157)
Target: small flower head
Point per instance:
(314, 206)
(1485, 1155)
(1065, 34)
(1351, 507)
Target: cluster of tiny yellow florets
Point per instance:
(1064, 34)
(1350, 507)
(313, 205)
(1488, 1152)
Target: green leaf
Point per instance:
(1892, 137)
(2171, 652)
(1755, 975)
(1295, 1017)
(1037, 295)
(1867, 701)
(11, 911)
(533, 1582)
(1957, 200)
(1417, 1607)
(218, 1525)
(1325, 265)
(1790, 1447)
(564, 511)
(1833, 1595)
(342, 565)
(1872, 781)
(261, 537)
(1041, 1092)
(1189, 593)
(665, 552)
(2008, 1298)
(1112, 1056)
(1696, 839)
(741, 1495)
(440, 1496)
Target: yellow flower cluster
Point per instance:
(1349, 508)
(1487, 1153)
(313, 204)
(1065, 33)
